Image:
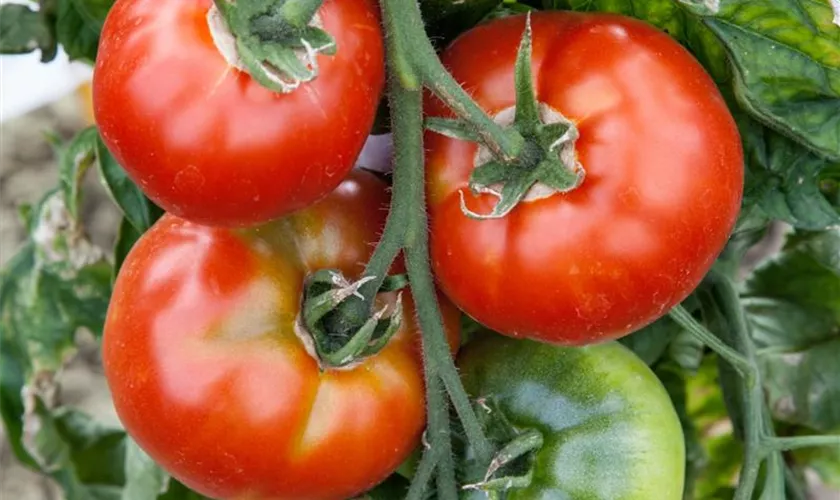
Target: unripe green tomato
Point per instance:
(610, 431)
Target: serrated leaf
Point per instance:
(74, 161)
(793, 305)
(82, 456)
(14, 362)
(78, 24)
(138, 209)
(61, 282)
(807, 274)
(23, 30)
(786, 57)
(783, 178)
(145, 480)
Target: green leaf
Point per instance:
(715, 468)
(138, 209)
(14, 362)
(651, 343)
(127, 236)
(793, 305)
(446, 19)
(23, 30)
(83, 457)
(61, 282)
(393, 487)
(687, 351)
(824, 460)
(78, 24)
(145, 480)
(786, 58)
(74, 161)
(56, 284)
(783, 178)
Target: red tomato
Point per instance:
(207, 142)
(663, 185)
(209, 377)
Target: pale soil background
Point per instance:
(27, 170)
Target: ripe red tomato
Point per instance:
(204, 140)
(210, 379)
(663, 185)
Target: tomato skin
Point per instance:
(204, 140)
(609, 428)
(208, 376)
(663, 186)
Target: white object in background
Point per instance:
(378, 153)
(27, 84)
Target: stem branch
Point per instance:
(736, 359)
(799, 442)
(403, 19)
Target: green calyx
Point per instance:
(336, 343)
(512, 467)
(545, 165)
(276, 41)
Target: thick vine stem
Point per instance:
(757, 429)
(408, 141)
(409, 187)
(403, 19)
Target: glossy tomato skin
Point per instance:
(210, 379)
(610, 431)
(663, 186)
(204, 140)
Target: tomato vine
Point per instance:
(791, 158)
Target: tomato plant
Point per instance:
(202, 354)
(608, 427)
(206, 141)
(586, 168)
(662, 191)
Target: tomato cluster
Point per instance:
(211, 370)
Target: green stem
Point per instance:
(727, 301)
(753, 455)
(408, 141)
(420, 482)
(738, 361)
(391, 243)
(404, 20)
(798, 442)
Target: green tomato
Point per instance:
(446, 19)
(609, 429)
